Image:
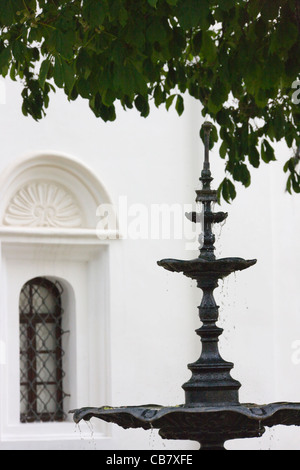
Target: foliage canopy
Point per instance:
(239, 58)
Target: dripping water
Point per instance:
(78, 429)
(151, 437)
(92, 437)
(84, 437)
(218, 228)
(223, 302)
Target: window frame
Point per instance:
(31, 319)
(76, 264)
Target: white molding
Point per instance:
(55, 236)
(59, 432)
(61, 171)
(58, 160)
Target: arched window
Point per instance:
(41, 353)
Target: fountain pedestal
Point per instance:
(212, 413)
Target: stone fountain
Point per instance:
(212, 413)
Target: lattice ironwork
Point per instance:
(41, 352)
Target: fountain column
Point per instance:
(211, 382)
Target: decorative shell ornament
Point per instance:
(43, 204)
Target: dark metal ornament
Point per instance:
(212, 413)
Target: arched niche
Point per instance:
(48, 228)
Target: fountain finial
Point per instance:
(207, 127)
(207, 197)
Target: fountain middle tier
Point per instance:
(202, 268)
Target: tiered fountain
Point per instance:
(212, 413)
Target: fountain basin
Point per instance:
(204, 424)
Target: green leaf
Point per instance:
(241, 173)
(223, 150)
(279, 124)
(261, 98)
(197, 42)
(107, 113)
(231, 189)
(123, 16)
(108, 97)
(224, 191)
(13, 72)
(219, 93)
(289, 184)
(296, 183)
(208, 48)
(5, 57)
(169, 101)
(44, 72)
(192, 13)
(286, 167)
(214, 135)
(125, 79)
(227, 190)
(7, 14)
(83, 88)
(159, 96)
(254, 8)
(142, 105)
(156, 32)
(94, 12)
(64, 43)
(177, 44)
(58, 73)
(179, 106)
(69, 77)
(153, 3)
(19, 50)
(254, 157)
(272, 70)
(270, 10)
(267, 152)
(226, 4)
(285, 36)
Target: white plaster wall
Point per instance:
(153, 312)
(261, 310)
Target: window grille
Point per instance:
(41, 353)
